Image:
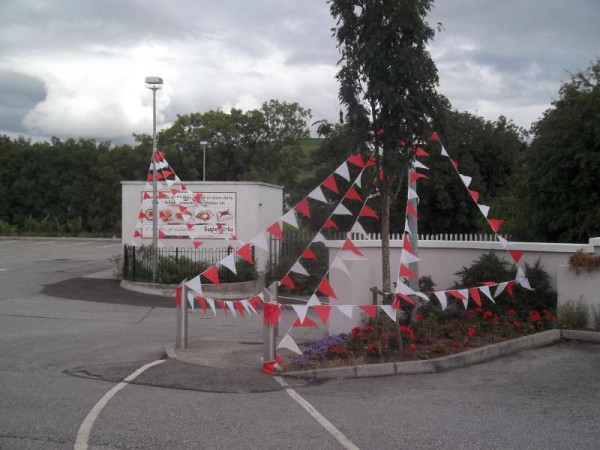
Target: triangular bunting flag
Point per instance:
(419, 165)
(229, 304)
(301, 311)
(357, 160)
(319, 238)
(441, 296)
(358, 229)
(414, 176)
(366, 211)
(485, 210)
(343, 172)
(475, 195)
(406, 243)
(346, 310)
(465, 294)
(454, 164)
(390, 311)
(330, 224)
(137, 234)
(349, 245)
(341, 210)
(500, 289)
(406, 272)
(202, 303)
(421, 152)
(323, 312)
(509, 287)
(444, 152)
(465, 179)
(474, 292)
(303, 207)
(317, 194)
(195, 284)
(211, 303)
(325, 288)
(297, 268)
(239, 307)
(212, 273)
(275, 230)
(486, 291)
(290, 344)
(290, 218)
(353, 194)
(229, 262)
(288, 282)
(503, 241)
(495, 224)
(434, 137)
(370, 310)
(307, 322)
(407, 258)
(412, 194)
(516, 255)
(456, 294)
(308, 254)
(339, 264)
(313, 301)
(330, 184)
(410, 209)
(245, 252)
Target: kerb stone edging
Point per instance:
(449, 362)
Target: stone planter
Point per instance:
(224, 291)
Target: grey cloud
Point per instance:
(18, 94)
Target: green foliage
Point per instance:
(573, 315)
(6, 229)
(491, 268)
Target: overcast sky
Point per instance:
(76, 68)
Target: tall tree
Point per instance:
(387, 82)
(564, 162)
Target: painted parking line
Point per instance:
(110, 245)
(83, 435)
(337, 434)
(36, 243)
(4, 270)
(73, 245)
(7, 242)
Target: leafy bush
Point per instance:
(7, 229)
(581, 260)
(491, 268)
(573, 315)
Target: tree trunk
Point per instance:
(385, 240)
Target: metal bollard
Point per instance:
(182, 319)
(270, 331)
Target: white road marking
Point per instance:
(3, 270)
(337, 434)
(106, 246)
(37, 243)
(7, 242)
(73, 245)
(83, 435)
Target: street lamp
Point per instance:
(154, 84)
(203, 144)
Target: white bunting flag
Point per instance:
(171, 182)
(444, 152)
(341, 210)
(358, 229)
(390, 311)
(441, 296)
(231, 307)
(211, 303)
(195, 284)
(419, 165)
(260, 241)
(346, 310)
(407, 257)
(290, 344)
(465, 179)
(290, 218)
(500, 289)
(313, 301)
(248, 306)
(412, 194)
(357, 182)
(343, 172)
(407, 227)
(297, 268)
(317, 194)
(339, 264)
(486, 291)
(301, 311)
(520, 273)
(190, 298)
(525, 283)
(465, 294)
(503, 241)
(229, 262)
(402, 288)
(319, 238)
(485, 209)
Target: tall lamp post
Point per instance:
(204, 144)
(154, 84)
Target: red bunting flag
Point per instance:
(197, 244)
(357, 160)
(410, 209)
(221, 304)
(239, 307)
(414, 176)
(474, 293)
(198, 198)
(189, 226)
(475, 195)
(406, 244)
(330, 184)
(406, 272)
(178, 292)
(162, 195)
(454, 164)
(149, 177)
(184, 187)
(174, 191)
(323, 312)
(309, 254)
(509, 287)
(489, 283)
(212, 273)
(288, 282)
(421, 152)
(371, 310)
(325, 288)
(371, 162)
(202, 303)
(366, 211)
(160, 176)
(256, 301)
(308, 323)
(276, 231)
(271, 312)
(349, 245)
(330, 224)
(141, 215)
(303, 207)
(245, 252)
(516, 255)
(381, 174)
(404, 297)
(495, 224)
(434, 137)
(161, 235)
(457, 295)
(182, 208)
(147, 196)
(137, 234)
(352, 194)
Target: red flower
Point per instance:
(487, 314)
(471, 332)
(370, 347)
(343, 350)
(535, 316)
(368, 329)
(383, 335)
(517, 324)
(549, 317)
(496, 320)
(395, 335)
(455, 344)
(470, 314)
(408, 331)
(355, 330)
(420, 317)
(412, 347)
(511, 312)
(479, 309)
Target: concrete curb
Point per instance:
(463, 359)
(224, 291)
(55, 238)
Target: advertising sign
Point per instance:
(204, 215)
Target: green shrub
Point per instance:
(7, 229)
(491, 268)
(573, 315)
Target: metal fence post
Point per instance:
(182, 319)
(270, 331)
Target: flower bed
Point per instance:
(430, 336)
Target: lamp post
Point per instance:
(154, 84)
(204, 144)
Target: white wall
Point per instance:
(584, 288)
(257, 206)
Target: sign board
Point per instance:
(207, 215)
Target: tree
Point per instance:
(387, 82)
(564, 162)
